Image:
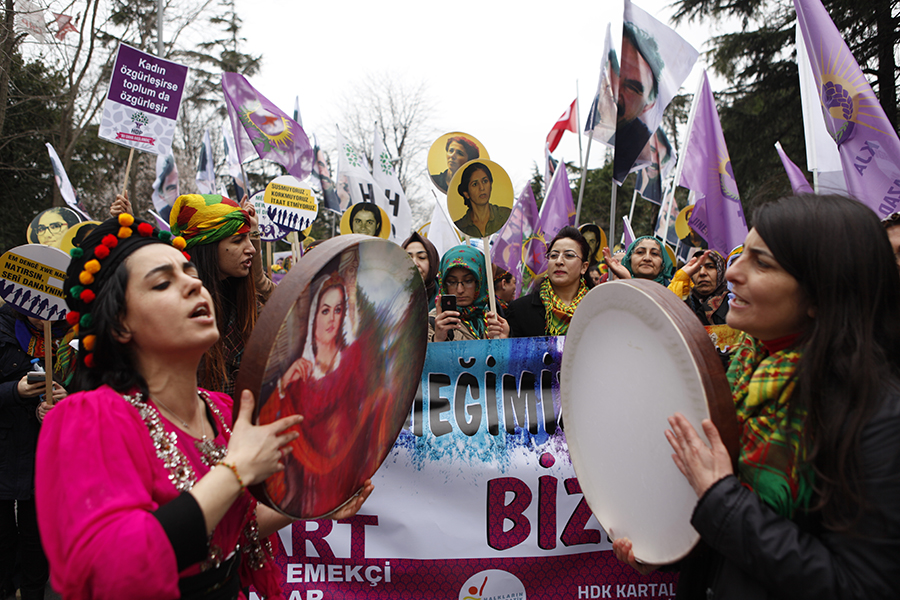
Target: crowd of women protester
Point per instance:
(140, 485)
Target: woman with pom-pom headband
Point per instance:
(141, 477)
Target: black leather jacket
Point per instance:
(750, 552)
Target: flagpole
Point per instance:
(48, 363)
(580, 150)
(633, 200)
(679, 165)
(612, 212)
(159, 26)
(583, 175)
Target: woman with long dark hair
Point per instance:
(141, 476)
(219, 235)
(814, 508)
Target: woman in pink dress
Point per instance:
(141, 476)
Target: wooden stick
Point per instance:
(48, 363)
(489, 270)
(127, 171)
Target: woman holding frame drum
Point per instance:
(814, 508)
(141, 476)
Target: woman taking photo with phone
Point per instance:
(468, 317)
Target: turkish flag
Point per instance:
(565, 123)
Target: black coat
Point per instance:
(19, 426)
(527, 316)
(749, 552)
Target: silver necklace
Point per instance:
(206, 446)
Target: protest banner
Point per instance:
(477, 499)
(143, 101)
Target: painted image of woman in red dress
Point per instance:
(336, 436)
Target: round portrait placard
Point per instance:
(480, 198)
(49, 227)
(31, 281)
(596, 239)
(342, 342)
(76, 234)
(366, 218)
(290, 205)
(448, 153)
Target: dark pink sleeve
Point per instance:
(97, 480)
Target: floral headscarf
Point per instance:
(666, 271)
(467, 257)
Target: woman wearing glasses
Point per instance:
(49, 227)
(462, 275)
(549, 310)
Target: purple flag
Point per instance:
(274, 135)
(558, 209)
(798, 180)
(519, 244)
(869, 147)
(718, 215)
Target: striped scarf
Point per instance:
(558, 314)
(771, 460)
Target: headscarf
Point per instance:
(345, 335)
(433, 264)
(710, 304)
(207, 218)
(666, 271)
(467, 257)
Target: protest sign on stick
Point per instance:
(143, 101)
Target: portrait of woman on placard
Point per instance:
(460, 150)
(49, 227)
(335, 438)
(481, 218)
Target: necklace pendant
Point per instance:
(211, 452)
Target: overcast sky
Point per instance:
(501, 71)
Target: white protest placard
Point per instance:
(143, 101)
(31, 280)
(289, 205)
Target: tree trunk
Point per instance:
(7, 44)
(887, 67)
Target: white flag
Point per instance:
(441, 232)
(822, 153)
(355, 183)
(62, 180)
(390, 195)
(30, 18)
(165, 188)
(206, 167)
(601, 120)
(232, 159)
